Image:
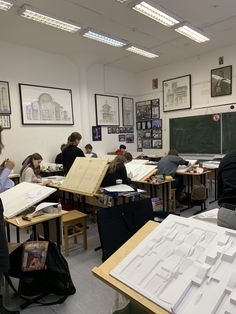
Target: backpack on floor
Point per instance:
(199, 193)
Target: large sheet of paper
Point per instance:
(22, 196)
(138, 172)
(184, 265)
(85, 176)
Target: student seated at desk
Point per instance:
(168, 165)
(121, 150)
(89, 151)
(58, 159)
(71, 151)
(116, 171)
(30, 172)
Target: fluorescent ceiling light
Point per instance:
(123, 1)
(6, 4)
(38, 16)
(106, 39)
(141, 52)
(155, 12)
(192, 33)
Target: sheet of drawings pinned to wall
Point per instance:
(186, 266)
(148, 124)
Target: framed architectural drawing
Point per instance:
(5, 121)
(177, 93)
(128, 111)
(97, 133)
(5, 105)
(143, 110)
(46, 105)
(221, 81)
(107, 110)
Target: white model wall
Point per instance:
(200, 68)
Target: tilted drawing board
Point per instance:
(139, 172)
(185, 266)
(85, 176)
(23, 196)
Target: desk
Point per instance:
(103, 271)
(46, 173)
(190, 176)
(19, 223)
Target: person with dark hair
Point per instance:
(128, 156)
(71, 151)
(116, 171)
(121, 150)
(30, 172)
(58, 159)
(168, 165)
(89, 151)
(5, 169)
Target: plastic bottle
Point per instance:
(59, 207)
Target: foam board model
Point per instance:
(186, 266)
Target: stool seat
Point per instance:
(71, 220)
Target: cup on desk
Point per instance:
(119, 181)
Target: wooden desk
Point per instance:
(103, 271)
(19, 223)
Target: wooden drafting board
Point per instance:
(140, 172)
(85, 176)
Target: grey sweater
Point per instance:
(169, 164)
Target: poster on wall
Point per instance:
(46, 105)
(128, 111)
(5, 106)
(107, 110)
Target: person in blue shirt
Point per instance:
(5, 169)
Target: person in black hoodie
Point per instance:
(227, 191)
(116, 170)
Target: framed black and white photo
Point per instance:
(5, 121)
(155, 108)
(177, 93)
(221, 81)
(46, 105)
(157, 124)
(5, 104)
(128, 111)
(147, 143)
(139, 142)
(157, 144)
(121, 138)
(97, 133)
(107, 110)
(157, 134)
(109, 130)
(147, 134)
(129, 138)
(143, 110)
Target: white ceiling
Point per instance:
(217, 18)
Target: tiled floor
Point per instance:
(92, 296)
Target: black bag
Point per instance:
(55, 279)
(117, 224)
(4, 262)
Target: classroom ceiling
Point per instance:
(217, 18)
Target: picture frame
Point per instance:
(221, 81)
(44, 105)
(157, 134)
(5, 121)
(96, 133)
(122, 137)
(157, 144)
(109, 130)
(139, 142)
(177, 93)
(128, 111)
(129, 138)
(157, 124)
(147, 134)
(143, 110)
(147, 143)
(155, 108)
(107, 110)
(5, 103)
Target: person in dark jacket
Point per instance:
(116, 171)
(71, 151)
(168, 165)
(227, 191)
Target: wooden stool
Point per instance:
(173, 200)
(70, 221)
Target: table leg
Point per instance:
(85, 234)
(58, 231)
(17, 235)
(46, 230)
(8, 232)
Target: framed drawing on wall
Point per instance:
(221, 81)
(143, 110)
(46, 105)
(97, 133)
(155, 108)
(107, 110)
(177, 93)
(5, 105)
(128, 111)
(5, 121)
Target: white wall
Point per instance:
(29, 66)
(200, 68)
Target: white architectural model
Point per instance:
(186, 266)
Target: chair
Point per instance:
(70, 222)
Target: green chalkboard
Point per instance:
(197, 134)
(228, 131)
